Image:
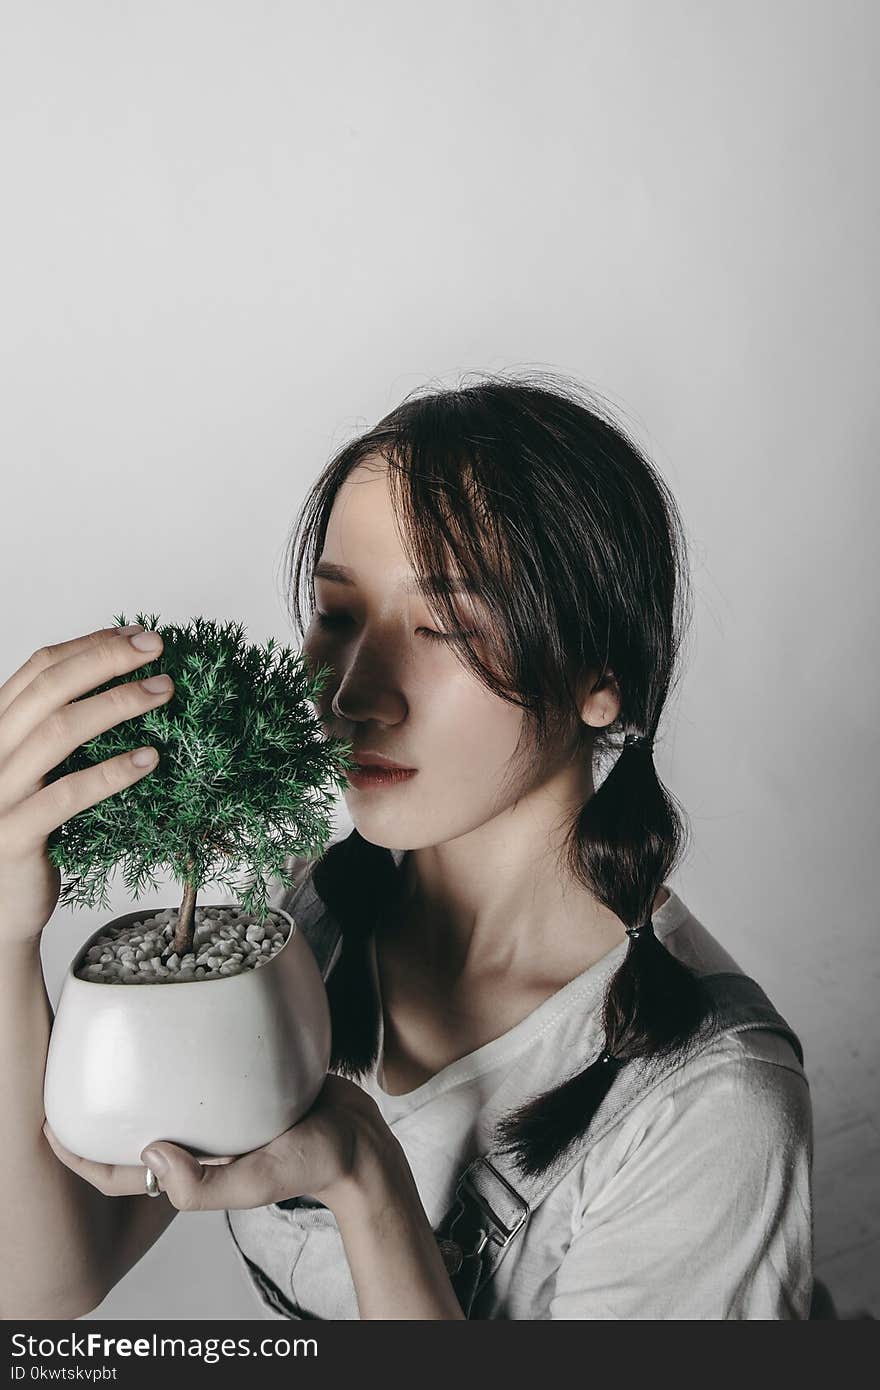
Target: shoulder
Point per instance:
(733, 1112)
(749, 1077)
(752, 1068)
(699, 1204)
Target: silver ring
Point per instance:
(151, 1183)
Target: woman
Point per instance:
(496, 579)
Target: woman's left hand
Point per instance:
(320, 1156)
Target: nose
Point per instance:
(365, 682)
(361, 701)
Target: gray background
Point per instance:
(235, 233)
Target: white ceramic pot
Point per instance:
(221, 1066)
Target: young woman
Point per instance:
(552, 1093)
(496, 577)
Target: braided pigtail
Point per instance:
(627, 837)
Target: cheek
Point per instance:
(468, 728)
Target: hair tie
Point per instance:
(646, 929)
(609, 1057)
(638, 740)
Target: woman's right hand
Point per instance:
(39, 728)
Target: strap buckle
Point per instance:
(491, 1196)
(506, 1209)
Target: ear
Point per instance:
(599, 700)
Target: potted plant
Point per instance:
(235, 1047)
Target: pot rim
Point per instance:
(179, 984)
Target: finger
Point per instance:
(46, 656)
(199, 1157)
(113, 1179)
(236, 1184)
(49, 720)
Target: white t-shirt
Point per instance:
(697, 1205)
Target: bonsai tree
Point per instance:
(244, 778)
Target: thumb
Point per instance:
(174, 1167)
(183, 1177)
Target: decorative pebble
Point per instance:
(227, 942)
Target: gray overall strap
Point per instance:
(493, 1200)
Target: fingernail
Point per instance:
(152, 1158)
(146, 641)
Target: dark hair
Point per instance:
(530, 490)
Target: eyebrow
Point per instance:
(436, 583)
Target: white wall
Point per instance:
(234, 232)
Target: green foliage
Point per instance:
(245, 774)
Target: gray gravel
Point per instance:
(225, 943)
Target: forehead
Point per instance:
(362, 519)
(363, 542)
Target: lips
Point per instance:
(379, 761)
(364, 777)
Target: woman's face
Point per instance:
(398, 691)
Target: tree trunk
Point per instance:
(186, 922)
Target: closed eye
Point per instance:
(331, 620)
